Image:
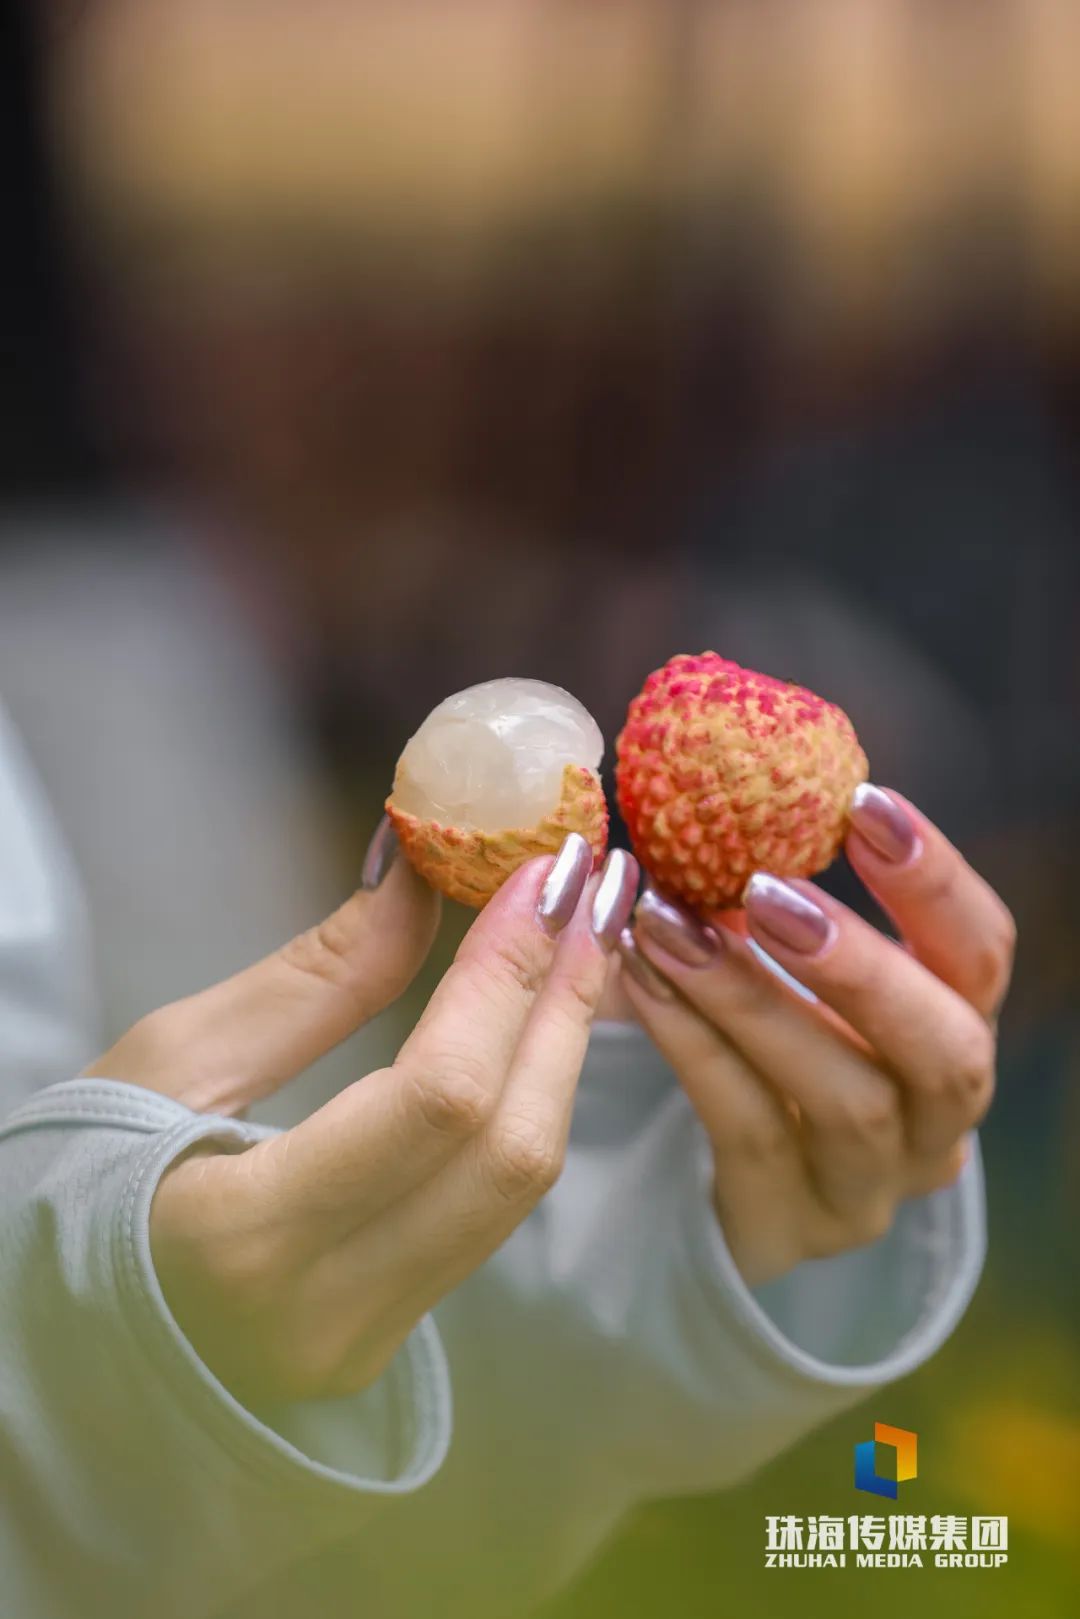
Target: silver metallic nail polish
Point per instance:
(885, 824)
(790, 917)
(565, 884)
(613, 902)
(641, 971)
(676, 930)
(381, 853)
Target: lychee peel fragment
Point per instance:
(470, 866)
(722, 772)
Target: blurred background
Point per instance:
(356, 352)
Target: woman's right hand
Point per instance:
(297, 1267)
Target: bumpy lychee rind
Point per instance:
(471, 866)
(721, 772)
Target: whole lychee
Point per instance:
(722, 772)
(496, 775)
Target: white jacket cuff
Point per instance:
(862, 1318)
(161, 1456)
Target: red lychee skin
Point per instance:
(721, 772)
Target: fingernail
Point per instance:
(613, 902)
(565, 883)
(787, 914)
(676, 930)
(381, 854)
(642, 971)
(885, 824)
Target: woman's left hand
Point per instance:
(825, 1116)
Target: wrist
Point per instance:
(206, 1267)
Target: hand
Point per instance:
(824, 1117)
(297, 1267)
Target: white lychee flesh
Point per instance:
(493, 756)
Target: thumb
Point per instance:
(244, 1038)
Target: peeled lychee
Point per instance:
(496, 775)
(722, 772)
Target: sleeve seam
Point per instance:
(104, 1102)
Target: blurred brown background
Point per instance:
(354, 352)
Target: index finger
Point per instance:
(470, 1029)
(950, 918)
(532, 1121)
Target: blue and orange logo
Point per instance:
(904, 1446)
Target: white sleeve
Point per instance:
(613, 1338)
(48, 1006)
(133, 1482)
(130, 1479)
